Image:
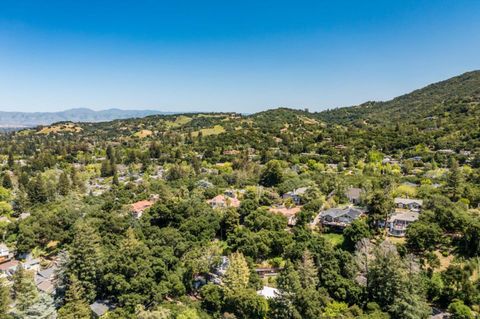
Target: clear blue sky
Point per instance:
(243, 56)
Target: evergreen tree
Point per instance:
(25, 292)
(37, 190)
(74, 178)
(237, 275)
(20, 202)
(106, 169)
(85, 259)
(7, 181)
(380, 205)
(4, 298)
(10, 160)
(110, 154)
(115, 179)
(61, 277)
(42, 308)
(76, 307)
(455, 180)
(63, 184)
(308, 271)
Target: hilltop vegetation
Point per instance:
(224, 215)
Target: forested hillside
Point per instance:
(363, 212)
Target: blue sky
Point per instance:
(242, 56)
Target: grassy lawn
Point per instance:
(335, 239)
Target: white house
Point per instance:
(397, 223)
(4, 251)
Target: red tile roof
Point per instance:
(139, 207)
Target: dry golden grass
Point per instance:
(60, 128)
(143, 133)
(217, 129)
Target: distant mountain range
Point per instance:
(27, 119)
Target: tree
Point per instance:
(106, 169)
(24, 291)
(455, 179)
(212, 298)
(288, 284)
(237, 275)
(10, 160)
(75, 307)
(385, 275)
(395, 285)
(61, 277)
(410, 305)
(115, 180)
(188, 313)
(7, 181)
(63, 184)
(355, 232)
(76, 183)
(379, 206)
(158, 313)
(37, 190)
(40, 308)
(423, 236)
(308, 271)
(4, 298)
(272, 174)
(335, 310)
(460, 311)
(85, 259)
(129, 272)
(247, 304)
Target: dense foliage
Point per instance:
(67, 191)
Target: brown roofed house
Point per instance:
(138, 208)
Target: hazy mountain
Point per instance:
(27, 119)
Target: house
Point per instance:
(138, 208)
(397, 223)
(296, 195)
(414, 205)
(4, 252)
(32, 264)
(44, 280)
(222, 201)
(290, 213)
(340, 217)
(268, 292)
(354, 195)
(8, 268)
(101, 307)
